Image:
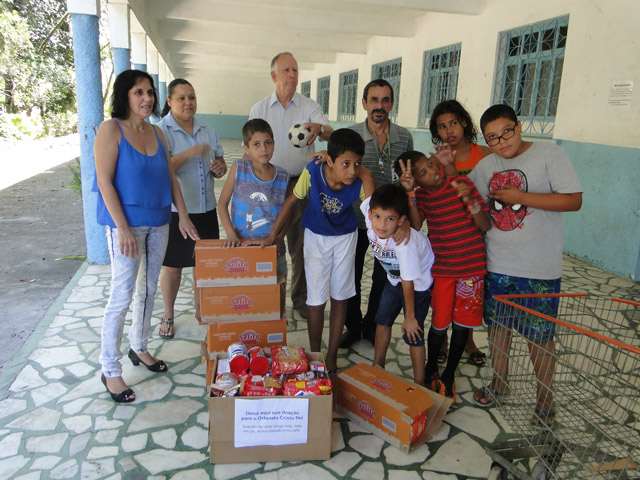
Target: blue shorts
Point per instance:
(392, 301)
(532, 327)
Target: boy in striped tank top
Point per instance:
(456, 217)
(256, 190)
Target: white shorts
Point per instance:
(329, 260)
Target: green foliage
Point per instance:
(76, 177)
(36, 66)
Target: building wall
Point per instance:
(603, 142)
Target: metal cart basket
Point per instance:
(577, 412)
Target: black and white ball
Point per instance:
(298, 136)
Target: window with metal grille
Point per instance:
(529, 71)
(439, 79)
(390, 71)
(323, 93)
(347, 96)
(305, 89)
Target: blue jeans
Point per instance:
(141, 272)
(392, 302)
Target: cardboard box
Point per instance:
(386, 405)
(225, 267)
(258, 303)
(318, 422)
(269, 334)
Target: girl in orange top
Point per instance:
(451, 124)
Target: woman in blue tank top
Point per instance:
(136, 187)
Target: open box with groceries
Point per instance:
(268, 406)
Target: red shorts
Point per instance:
(457, 300)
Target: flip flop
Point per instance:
(170, 333)
(477, 359)
(490, 397)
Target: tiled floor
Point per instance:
(57, 421)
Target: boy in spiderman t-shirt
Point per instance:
(456, 217)
(527, 186)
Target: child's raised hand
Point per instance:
(445, 155)
(463, 191)
(412, 330)
(406, 176)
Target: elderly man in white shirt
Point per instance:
(283, 109)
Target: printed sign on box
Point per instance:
(240, 304)
(271, 421)
(224, 267)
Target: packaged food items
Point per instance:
(288, 360)
(418, 425)
(316, 366)
(260, 386)
(218, 390)
(316, 386)
(258, 361)
(238, 358)
(227, 379)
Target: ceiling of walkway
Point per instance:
(196, 37)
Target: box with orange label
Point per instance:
(253, 334)
(240, 304)
(223, 267)
(397, 410)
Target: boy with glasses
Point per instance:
(527, 186)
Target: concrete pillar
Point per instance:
(86, 54)
(120, 27)
(139, 50)
(162, 82)
(152, 69)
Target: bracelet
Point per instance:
(475, 208)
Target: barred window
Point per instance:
(390, 71)
(529, 72)
(305, 89)
(439, 79)
(347, 96)
(323, 93)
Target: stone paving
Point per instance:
(57, 421)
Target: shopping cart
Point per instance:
(577, 412)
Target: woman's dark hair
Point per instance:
(120, 98)
(170, 88)
(453, 107)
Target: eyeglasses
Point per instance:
(508, 133)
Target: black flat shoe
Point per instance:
(157, 367)
(349, 338)
(127, 396)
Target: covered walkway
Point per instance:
(57, 421)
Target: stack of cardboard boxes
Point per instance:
(240, 300)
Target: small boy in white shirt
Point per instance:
(408, 268)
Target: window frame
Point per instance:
(529, 72)
(305, 88)
(435, 77)
(348, 96)
(323, 90)
(391, 76)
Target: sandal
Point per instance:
(543, 419)
(169, 333)
(477, 359)
(488, 397)
(126, 396)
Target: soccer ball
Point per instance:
(298, 135)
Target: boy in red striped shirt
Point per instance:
(456, 218)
